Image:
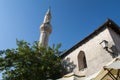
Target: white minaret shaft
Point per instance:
(45, 30)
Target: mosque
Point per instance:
(89, 55)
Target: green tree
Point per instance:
(30, 62)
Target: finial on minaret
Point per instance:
(45, 29)
(48, 12)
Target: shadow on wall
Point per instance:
(116, 39)
(114, 52)
(69, 66)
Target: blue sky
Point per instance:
(72, 20)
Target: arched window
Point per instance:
(82, 60)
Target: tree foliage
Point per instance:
(30, 62)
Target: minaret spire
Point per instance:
(45, 30)
(47, 17)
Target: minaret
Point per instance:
(45, 30)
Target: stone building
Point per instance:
(92, 53)
(95, 51)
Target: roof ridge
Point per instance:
(108, 23)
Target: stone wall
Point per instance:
(116, 39)
(96, 56)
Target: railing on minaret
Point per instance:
(45, 30)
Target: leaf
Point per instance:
(30, 62)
